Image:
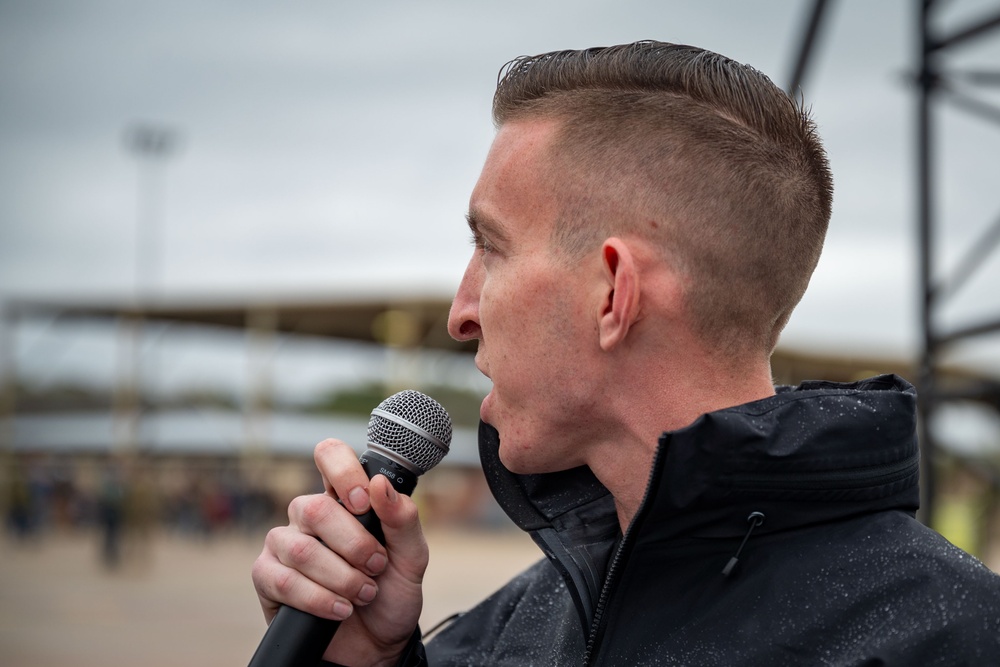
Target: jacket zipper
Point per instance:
(602, 601)
(609, 580)
(851, 478)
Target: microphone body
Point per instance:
(408, 434)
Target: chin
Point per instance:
(522, 461)
(486, 412)
(512, 463)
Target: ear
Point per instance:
(620, 306)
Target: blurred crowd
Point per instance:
(127, 502)
(124, 502)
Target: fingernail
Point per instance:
(376, 563)
(359, 499)
(367, 593)
(342, 609)
(391, 494)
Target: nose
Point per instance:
(463, 319)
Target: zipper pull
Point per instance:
(755, 519)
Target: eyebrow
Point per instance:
(480, 224)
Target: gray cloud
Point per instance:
(326, 144)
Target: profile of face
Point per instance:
(533, 313)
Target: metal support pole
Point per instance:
(8, 401)
(126, 403)
(927, 81)
(261, 332)
(151, 145)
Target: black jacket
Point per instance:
(838, 572)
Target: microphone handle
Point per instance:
(295, 638)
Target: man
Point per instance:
(646, 220)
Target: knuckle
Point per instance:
(258, 573)
(283, 584)
(336, 459)
(408, 513)
(323, 446)
(310, 510)
(295, 507)
(272, 539)
(327, 448)
(352, 582)
(301, 552)
(314, 511)
(357, 549)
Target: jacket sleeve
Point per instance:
(413, 655)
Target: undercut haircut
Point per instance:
(704, 155)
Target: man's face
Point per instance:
(529, 310)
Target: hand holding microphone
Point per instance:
(328, 561)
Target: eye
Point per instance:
(482, 243)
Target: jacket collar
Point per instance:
(818, 452)
(821, 444)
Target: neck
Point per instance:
(622, 461)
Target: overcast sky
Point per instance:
(327, 147)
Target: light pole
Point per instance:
(151, 145)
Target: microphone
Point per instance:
(408, 434)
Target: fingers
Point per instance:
(346, 480)
(277, 584)
(404, 536)
(326, 563)
(322, 517)
(300, 571)
(343, 475)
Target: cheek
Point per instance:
(506, 309)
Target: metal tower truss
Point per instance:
(938, 81)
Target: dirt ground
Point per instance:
(181, 601)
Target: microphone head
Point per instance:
(412, 429)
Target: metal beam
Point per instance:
(807, 46)
(972, 331)
(977, 253)
(965, 34)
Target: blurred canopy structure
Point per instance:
(419, 322)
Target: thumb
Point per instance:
(404, 537)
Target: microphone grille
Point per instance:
(413, 426)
